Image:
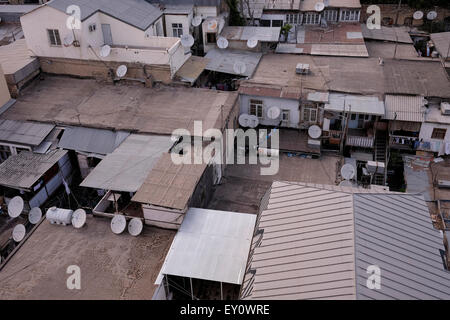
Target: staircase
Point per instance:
(380, 156)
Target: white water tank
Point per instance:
(59, 216)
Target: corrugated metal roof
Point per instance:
(92, 140)
(362, 142)
(442, 42)
(394, 34)
(192, 69)
(24, 133)
(263, 34)
(395, 233)
(22, 171)
(344, 50)
(405, 108)
(225, 60)
(211, 245)
(138, 13)
(355, 104)
(169, 185)
(316, 242)
(126, 168)
(318, 96)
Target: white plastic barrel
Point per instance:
(59, 216)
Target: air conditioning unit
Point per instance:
(302, 68)
(445, 108)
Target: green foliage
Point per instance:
(235, 17)
(285, 29)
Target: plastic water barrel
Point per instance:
(59, 216)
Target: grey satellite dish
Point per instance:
(432, 15)
(348, 172)
(315, 132)
(15, 207)
(19, 232)
(105, 51)
(273, 113)
(135, 227)
(244, 120)
(346, 183)
(35, 215)
(68, 40)
(239, 67)
(122, 71)
(252, 42)
(253, 121)
(222, 43)
(418, 15)
(118, 224)
(187, 40)
(79, 218)
(319, 6)
(196, 21)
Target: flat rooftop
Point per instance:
(85, 102)
(112, 266)
(16, 61)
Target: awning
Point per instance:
(230, 61)
(192, 69)
(355, 104)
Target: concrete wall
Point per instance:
(4, 91)
(427, 129)
(185, 20)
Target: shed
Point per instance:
(225, 61)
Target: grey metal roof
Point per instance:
(395, 233)
(263, 34)
(92, 140)
(394, 34)
(201, 3)
(22, 171)
(442, 42)
(138, 13)
(355, 104)
(127, 167)
(211, 245)
(405, 108)
(24, 133)
(316, 242)
(221, 60)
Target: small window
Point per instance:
(350, 15)
(367, 117)
(54, 37)
(277, 23)
(438, 133)
(264, 23)
(256, 108)
(92, 27)
(353, 116)
(211, 38)
(310, 115)
(177, 30)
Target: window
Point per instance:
(285, 114)
(264, 23)
(353, 116)
(211, 38)
(293, 19)
(367, 117)
(331, 15)
(350, 15)
(310, 115)
(256, 108)
(177, 30)
(438, 133)
(92, 27)
(312, 18)
(277, 23)
(53, 35)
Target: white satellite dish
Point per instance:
(15, 207)
(135, 227)
(105, 51)
(222, 43)
(273, 113)
(212, 25)
(35, 215)
(346, 183)
(253, 121)
(252, 42)
(432, 15)
(418, 15)
(78, 218)
(239, 67)
(196, 21)
(319, 6)
(121, 71)
(187, 40)
(244, 120)
(348, 171)
(118, 224)
(19, 232)
(68, 40)
(315, 132)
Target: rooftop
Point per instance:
(112, 266)
(308, 5)
(392, 34)
(16, 61)
(88, 103)
(387, 50)
(263, 34)
(442, 43)
(226, 61)
(24, 133)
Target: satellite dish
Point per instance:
(252, 42)
(187, 40)
(105, 51)
(273, 113)
(196, 21)
(68, 40)
(432, 15)
(79, 218)
(253, 121)
(212, 25)
(222, 43)
(239, 67)
(244, 120)
(135, 227)
(348, 171)
(19, 232)
(346, 183)
(315, 132)
(35, 215)
(121, 71)
(15, 207)
(118, 224)
(418, 15)
(319, 6)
